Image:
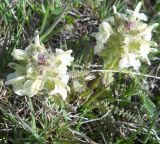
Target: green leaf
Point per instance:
(149, 105)
(57, 10)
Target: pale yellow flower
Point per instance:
(102, 36)
(135, 14)
(125, 38)
(40, 70)
(130, 60)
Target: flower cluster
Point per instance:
(37, 69)
(127, 37)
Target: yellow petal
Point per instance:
(14, 80)
(19, 54)
(31, 87)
